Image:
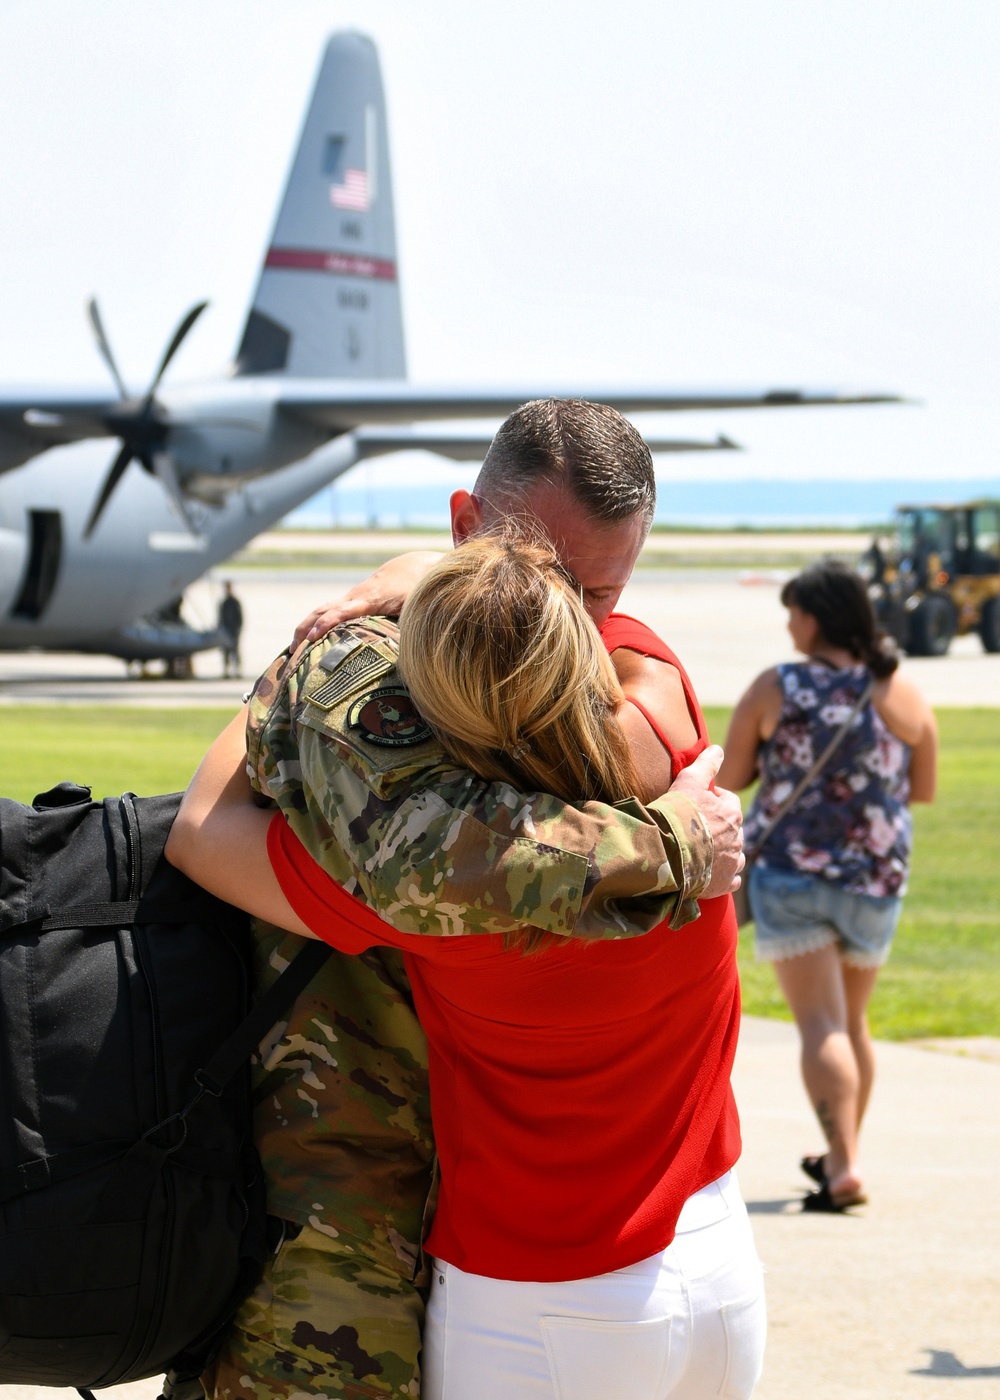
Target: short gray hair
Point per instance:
(589, 448)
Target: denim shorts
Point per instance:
(795, 913)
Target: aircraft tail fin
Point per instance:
(327, 304)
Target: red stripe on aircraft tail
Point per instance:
(340, 264)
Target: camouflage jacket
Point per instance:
(343, 1121)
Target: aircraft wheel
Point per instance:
(932, 626)
(179, 668)
(989, 624)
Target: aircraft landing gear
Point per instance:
(175, 668)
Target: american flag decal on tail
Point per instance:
(353, 193)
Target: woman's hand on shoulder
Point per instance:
(754, 720)
(381, 594)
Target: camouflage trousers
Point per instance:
(322, 1322)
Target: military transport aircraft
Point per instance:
(318, 384)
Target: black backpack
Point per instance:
(132, 1213)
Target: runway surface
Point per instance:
(725, 626)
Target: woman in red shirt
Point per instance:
(589, 1240)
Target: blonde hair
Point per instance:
(509, 671)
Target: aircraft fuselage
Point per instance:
(60, 591)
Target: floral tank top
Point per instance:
(852, 823)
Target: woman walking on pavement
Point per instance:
(825, 889)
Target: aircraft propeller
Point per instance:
(142, 424)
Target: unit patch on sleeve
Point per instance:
(389, 718)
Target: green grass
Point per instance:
(943, 978)
(944, 974)
(111, 750)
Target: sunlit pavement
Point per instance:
(896, 1297)
(724, 631)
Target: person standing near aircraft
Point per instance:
(344, 1127)
(230, 625)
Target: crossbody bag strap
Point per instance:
(814, 771)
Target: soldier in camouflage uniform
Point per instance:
(343, 1122)
(343, 1115)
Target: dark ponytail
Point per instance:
(836, 596)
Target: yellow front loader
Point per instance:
(937, 576)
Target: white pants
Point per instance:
(687, 1324)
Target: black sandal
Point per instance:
(813, 1168)
(823, 1202)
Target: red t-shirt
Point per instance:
(579, 1095)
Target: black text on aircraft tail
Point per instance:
(327, 303)
(142, 424)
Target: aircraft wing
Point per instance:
(64, 416)
(31, 422)
(472, 446)
(341, 405)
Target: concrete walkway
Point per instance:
(899, 1299)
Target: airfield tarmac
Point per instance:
(725, 623)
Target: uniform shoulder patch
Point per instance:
(388, 717)
(359, 668)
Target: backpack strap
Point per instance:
(119, 913)
(198, 906)
(42, 1171)
(216, 1074)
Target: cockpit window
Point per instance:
(333, 157)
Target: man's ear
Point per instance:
(466, 516)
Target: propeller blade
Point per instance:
(103, 346)
(175, 345)
(165, 471)
(111, 481)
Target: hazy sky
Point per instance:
(740, 191)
